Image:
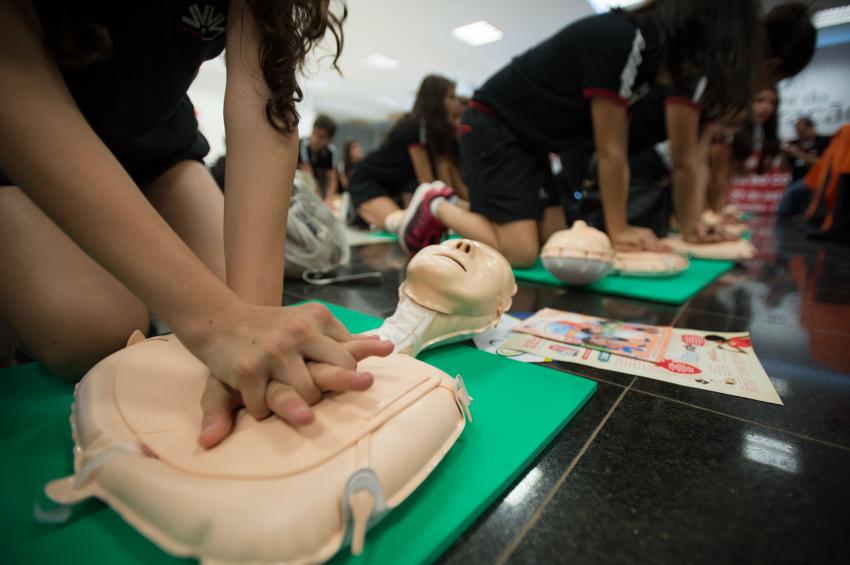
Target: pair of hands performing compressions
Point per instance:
(270, 359)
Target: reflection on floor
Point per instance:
(652, 472)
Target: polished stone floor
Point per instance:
(649, 472)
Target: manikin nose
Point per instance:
(462, 245)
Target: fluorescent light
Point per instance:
(381, 61)
(600, 6)
(477, 33)
(831, 17)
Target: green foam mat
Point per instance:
(518, 409)
(669, 290)
(357, 238)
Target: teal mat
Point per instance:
(518, 409)
(669, 290)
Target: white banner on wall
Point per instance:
(821, 92)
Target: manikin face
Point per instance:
(764, 105)
(460, 277)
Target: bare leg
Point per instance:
(518, 241)
(60, 305)
(187, 197)
(376, 210)
(553, 220)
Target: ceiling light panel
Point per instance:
(477, 33)
(382, 61)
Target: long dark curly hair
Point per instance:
(289, 29)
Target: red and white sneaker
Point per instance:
(420, 228)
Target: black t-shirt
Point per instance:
(322, 161)
(135, 99)
(815, 148)
(544, 94)
(647, 119)
(390, 163)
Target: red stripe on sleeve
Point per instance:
(683, 101)
(604, 93)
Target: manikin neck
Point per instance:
(406, 327)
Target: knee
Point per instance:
(70, 355)
(521, 259)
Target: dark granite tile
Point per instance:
(666, 483)
(799, 283)
(492, 532)
(809, 370)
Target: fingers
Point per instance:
(362, 348)
(322, 349)
(287, 404)
(217, 403)
(329, 378)
(293, 373)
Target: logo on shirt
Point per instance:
(203, 22)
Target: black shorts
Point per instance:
(145, 168)
(507, 179)
(364, 188)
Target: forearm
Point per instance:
(332, 187)
(687, 194)
(614, 190)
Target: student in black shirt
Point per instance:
(805, 151)
(383, 183)
(352, 153)
(802, 153)
(106, 212)
(578, 86)
(318, 156)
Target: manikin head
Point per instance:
(460, 277)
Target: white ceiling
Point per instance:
(418, 34)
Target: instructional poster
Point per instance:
(715, 361)
(639, 341)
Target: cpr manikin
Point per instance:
(583, 255)
(269, 493)
(451, 291)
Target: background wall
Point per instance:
(822, 91)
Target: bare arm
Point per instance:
(683, 131)
(721, 172)
(260, 170)
(448, 173)
(421, 163)
(610, 128)
(332, 180)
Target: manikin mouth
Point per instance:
(455, 259)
